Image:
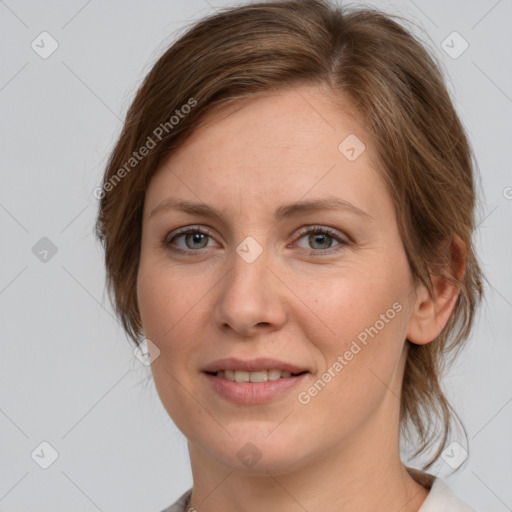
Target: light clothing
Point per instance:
(439, 499)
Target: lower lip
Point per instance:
(253, 392)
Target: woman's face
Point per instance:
(253, 282)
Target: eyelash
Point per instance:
(342, 242)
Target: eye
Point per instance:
(321, 239)
(193, 239)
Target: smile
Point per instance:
(251, 391)
(259, 376)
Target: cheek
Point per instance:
(363, 327)
(348, 304)
(152, 299)
(359, 359)
(164, 301)
(173, 312)
(167, 317)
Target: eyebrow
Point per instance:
(282, 212)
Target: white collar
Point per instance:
(440, 498)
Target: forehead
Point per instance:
(282, 145)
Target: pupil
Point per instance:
(320, 238)
(196, 237)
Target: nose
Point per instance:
(250, 298)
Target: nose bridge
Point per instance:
(248, 296)
(248, 271)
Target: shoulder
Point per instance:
(181, 504)
(440, 498)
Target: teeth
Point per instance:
(261, 376)
(274, 374)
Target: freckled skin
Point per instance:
(339, 451)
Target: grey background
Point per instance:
(68, 375)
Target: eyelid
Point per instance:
(185, 230)
(343, 240)
(312, 228)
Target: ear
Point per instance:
(431, 313)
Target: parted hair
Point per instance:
(398, 91)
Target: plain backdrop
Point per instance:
(68, 376)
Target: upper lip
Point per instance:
(252, 365)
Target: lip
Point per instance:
(253, 393)
(253, 365)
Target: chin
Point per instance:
(257, 454)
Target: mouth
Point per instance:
(259, 376)
(254, 381)
(259, 365)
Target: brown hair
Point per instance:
(397, 90)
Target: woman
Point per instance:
(287, 220)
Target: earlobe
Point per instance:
(432, 311)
